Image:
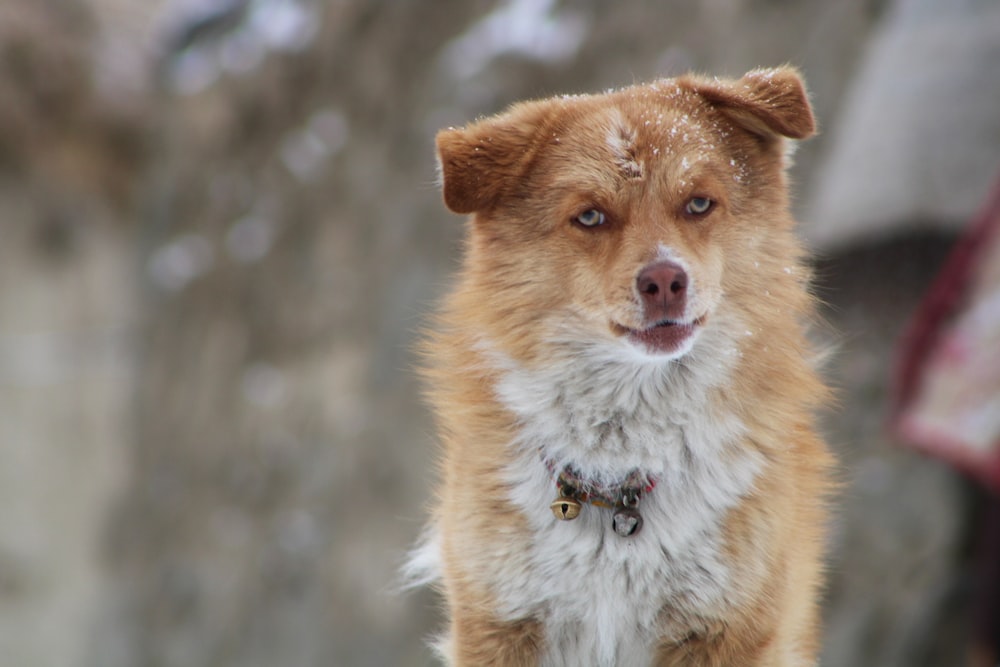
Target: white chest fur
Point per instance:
(607, 412)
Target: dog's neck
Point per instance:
(606, 411)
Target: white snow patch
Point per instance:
(529, 28)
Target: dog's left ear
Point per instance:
(768, 102)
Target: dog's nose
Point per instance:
(663, 286)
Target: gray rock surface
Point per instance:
(917, 140)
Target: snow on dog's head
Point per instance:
(641, 219)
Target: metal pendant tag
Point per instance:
(626, 522)
(565, 509)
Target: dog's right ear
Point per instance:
(480, 162)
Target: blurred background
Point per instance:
(220, 236)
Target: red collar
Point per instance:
(570, 483)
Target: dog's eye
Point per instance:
(590, 218)
(699, 205)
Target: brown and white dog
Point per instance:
(623, 386)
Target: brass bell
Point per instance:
(565, 509)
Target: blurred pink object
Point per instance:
(947, 399)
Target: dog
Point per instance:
(624, 385)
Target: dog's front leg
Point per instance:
(478, 639)
(750, 648)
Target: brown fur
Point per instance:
(524, 175)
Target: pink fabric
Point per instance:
(948, 380)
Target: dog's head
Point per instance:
(634, 216)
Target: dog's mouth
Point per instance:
(664, 337)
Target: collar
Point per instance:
(573, 490)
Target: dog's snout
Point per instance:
(663, 287)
